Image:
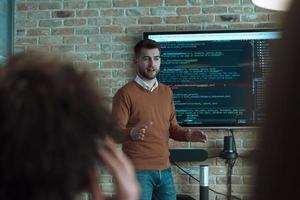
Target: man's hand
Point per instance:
(138, 132)
(195, 135)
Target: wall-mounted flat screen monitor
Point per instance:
(217, 77)
(6, 32)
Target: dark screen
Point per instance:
(218, 81)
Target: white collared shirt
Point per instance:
(142, 83)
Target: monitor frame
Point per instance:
(148, 34)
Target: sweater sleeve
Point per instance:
(177, 132)
(121, 113)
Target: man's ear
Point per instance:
(135, 58)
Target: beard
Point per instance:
(148, 74)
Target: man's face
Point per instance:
(148, 63)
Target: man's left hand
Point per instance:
(196, 135)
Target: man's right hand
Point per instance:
(138, 133)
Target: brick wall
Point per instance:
(102, 33)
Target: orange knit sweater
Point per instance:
(133, 105)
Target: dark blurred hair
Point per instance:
(278, 175)
(145, 44)
(51, 119)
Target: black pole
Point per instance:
(203, 182)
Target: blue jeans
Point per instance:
(156, 184)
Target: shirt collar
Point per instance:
(142, 83)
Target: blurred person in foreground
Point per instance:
(277, 173)
(54, 131)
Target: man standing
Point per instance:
(145, 113)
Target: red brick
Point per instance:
(87, 13)
(201, 2)
(215, 26)
(112, 12)
(200, 19)
(189, 188)
(234, 180)
(111, 29)
(49, 6)
(268, 25)
(62, 48)
(124, 3)
(125, 39)
(88, 47)
(276, 17)
(62, 31)
(176, 20)
(163, 28)
(113, 47)
(150, 20)
(87, 31)
(227, 1)
(22, 6)
(74, 5)
(41, 48)
(124, 21)
(242, 189)
(240, 9)
(129, 73)
(176, 2)
(189, 27)
(37, 32)
(63, 14)
(227, 18)
(214, 9)
(137, 29)
(254, 18)
(181, 179)
(99, 39)
(99, 56)
(50, 40)
(188, 11)
(240, 26)
(87, 66)
(38, 15)
(111, 82)
(50, 23)
(112, 64)
(151, 3)
(137, 12)
(103, 73)
(26, 6)
(99, 21)
(74, 22)
(74, 40)
(76, 57)
(99, 4)
(26, 41)
(176, 144)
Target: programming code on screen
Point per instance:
(217, 79)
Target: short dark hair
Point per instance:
(51, 119)
(146, 44)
